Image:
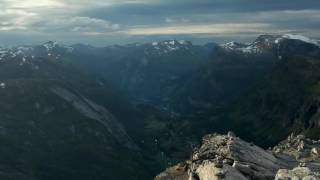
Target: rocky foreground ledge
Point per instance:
(227, 157)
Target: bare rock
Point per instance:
(315, 151)
(178, 172)
(208, 171)
(298, 173)
(299, 147)
(228, 157)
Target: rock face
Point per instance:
(98, 113)
(231, 158)
(302, 173)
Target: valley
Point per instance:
(85, 112)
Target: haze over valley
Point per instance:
(139, 90)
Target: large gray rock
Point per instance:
(231, 158)
(298, 173)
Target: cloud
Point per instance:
(121, 21)
(51, 16)
(176, 20)
(31, 4)
(199, 29)
(75, 24)
(15, 19)
(27, 4)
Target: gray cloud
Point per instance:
(103, 22)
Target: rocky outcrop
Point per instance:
(301, 148)
(231, 158)
(302, 173)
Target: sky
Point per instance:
(106, 22)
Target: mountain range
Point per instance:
(84, 112)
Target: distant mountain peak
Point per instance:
(241, 47)
(167, 46)
(278, 38)
(50, 45)
(266, 42)
(172, 42)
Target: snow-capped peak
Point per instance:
(244, 48)
(301, 38)
(27, 53)
(164, 47)
(265, 42)
(54, 44)
(50, 45)
(233, 45)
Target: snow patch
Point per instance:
(172, 42)
(183, 42)
(269, 42)
(301, 38)
(2, 85)
(50, 45)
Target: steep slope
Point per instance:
(75, 76)
(284, 101)
(56, 124)
(263, 94)
(233, 68)
(225, 77)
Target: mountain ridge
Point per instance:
(146, 105)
